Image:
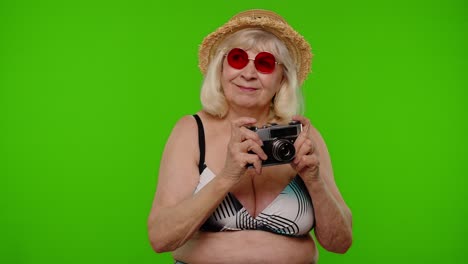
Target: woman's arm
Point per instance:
(177, 213)
(333, 218)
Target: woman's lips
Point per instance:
(247, 89)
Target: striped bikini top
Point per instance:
(290, 213)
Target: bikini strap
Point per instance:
(201, 143)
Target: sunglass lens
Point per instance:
(265, 62)
(238, 58)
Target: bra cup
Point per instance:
(291, 213)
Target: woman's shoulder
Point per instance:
(183, 139)
(315, 132)
(320, 143)
(206, 117)
(209, 121)
(186, 125)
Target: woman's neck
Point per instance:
(261, 115)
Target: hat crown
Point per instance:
(259, 13)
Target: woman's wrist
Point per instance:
(314, 182)
(227, 181)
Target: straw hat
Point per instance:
(269, 21)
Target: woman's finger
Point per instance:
(306, 148)
(304, 121)
(308, 161)
(236, 126)
(249, 134)
(253, 160)
(251, 146)
(305, 130)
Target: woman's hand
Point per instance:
(306, 162)
(244, 148)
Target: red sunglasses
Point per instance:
(264, 62)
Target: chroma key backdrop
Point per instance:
(90, 90)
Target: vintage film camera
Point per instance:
(278, 142)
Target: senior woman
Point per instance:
(215, 201)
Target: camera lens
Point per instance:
(283, 150)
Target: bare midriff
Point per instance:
(246, 246)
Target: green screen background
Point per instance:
(90, 90)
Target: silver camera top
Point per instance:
(273, 131)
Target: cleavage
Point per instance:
(258, 192)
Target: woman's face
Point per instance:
(248, 87)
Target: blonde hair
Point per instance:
(286, 103)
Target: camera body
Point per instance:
(278, 142)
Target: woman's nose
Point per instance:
(249, 71)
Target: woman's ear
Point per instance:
(283, 79)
